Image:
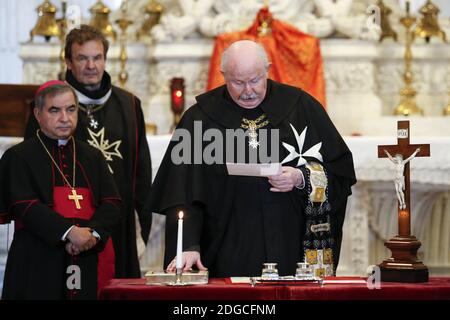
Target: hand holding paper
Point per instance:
(287, 180)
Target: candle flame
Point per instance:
(180, 215)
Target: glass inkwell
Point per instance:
(269, 271)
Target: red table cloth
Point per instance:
(438, 288)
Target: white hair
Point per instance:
(260, 51)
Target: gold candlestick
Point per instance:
(100, 19)
(407, 105)
(152, 14)
(46, 25)
(123, 24)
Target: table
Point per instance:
(438, 288)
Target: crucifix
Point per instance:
(403, 266)
(75, 198)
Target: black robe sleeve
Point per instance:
(143, 176)
(107, 215)
(32, 124)
(21, 200)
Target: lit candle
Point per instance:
(179, 261)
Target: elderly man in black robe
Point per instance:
(235, 223)
(64, 203)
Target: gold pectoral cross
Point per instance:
(76, 198)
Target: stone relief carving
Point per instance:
(39, 72)
(340, 77)
(179, 27)
(138, 79)
(321, 18)
(357, 225)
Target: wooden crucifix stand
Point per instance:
(403, 266)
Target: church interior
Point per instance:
(383, 61)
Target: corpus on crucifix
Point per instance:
(403, 266)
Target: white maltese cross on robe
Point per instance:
(108, 149)
(313, 152)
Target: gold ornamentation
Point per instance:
(319, 272)
(152, 14)
(74, 196)
(328, 256)
(386, 29)
(321, 261)
(123, 23)
(407, 105)
(318, 181)
(311, 256)
(98, 141)
(252, 126)
(265, 21)
(100, 19)
(46, 25)
(428, 26)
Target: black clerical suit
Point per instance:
(37, 264)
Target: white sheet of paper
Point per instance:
(254, 169)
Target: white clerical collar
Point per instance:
(62, 142)
(86, 100)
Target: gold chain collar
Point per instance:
(254, 124)
(91, 108)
